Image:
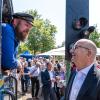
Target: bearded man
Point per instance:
(12, 34)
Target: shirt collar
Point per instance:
(86, 70)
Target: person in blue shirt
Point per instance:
(12, 34)
(25, 78)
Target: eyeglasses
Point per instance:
(79, 46)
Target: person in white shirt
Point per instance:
(34, 74)
(84, 83)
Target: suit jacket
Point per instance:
(90, 89)
(45, 78)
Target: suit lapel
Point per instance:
(47, 74)
(69, 86)
(87, 83)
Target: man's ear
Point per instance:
(89, 52)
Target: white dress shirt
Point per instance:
(78, 81)
(51, 77)
(35, 71)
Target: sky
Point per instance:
(54, 10)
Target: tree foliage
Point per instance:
(42, 35)
(95, 37)
(22, 47)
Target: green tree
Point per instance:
(22, 47)
(95, 37)
(42, 36)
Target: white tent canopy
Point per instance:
(61, 51)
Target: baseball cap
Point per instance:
(29, 18)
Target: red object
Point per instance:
(98, 66)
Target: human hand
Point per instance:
(53, 80)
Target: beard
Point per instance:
(20, 35)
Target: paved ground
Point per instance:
(25, 97)
(28, 96)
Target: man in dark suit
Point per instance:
(47, 81)
(84, 83)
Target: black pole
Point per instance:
(76, 11)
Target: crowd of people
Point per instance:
(42, 75)
(84, 81)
